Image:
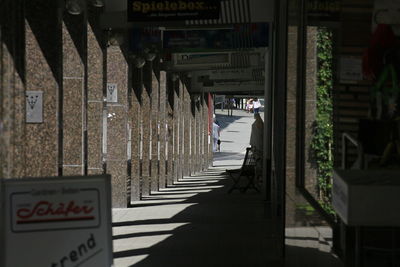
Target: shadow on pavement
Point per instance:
(228, 156)
(224, 120)
(219, 229)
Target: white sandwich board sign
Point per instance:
(56, 222)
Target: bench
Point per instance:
(247, 171)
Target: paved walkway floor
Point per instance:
(196, 223)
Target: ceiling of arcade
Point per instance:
(222, 47)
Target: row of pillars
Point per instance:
(170, 127)
(152, 134)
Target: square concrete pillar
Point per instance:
(43, 72)
(95, 92)
(181, 130)
(170, 130)
(197, 134)
(186, 131)
(210, 111)
(146, 126)
(193, 138)
(163, 129)
(177, 131)
(201, 133)
(198, 131)
(135, 121)
(12, 91)
(154, 131)
(206, 146)
(74, 99)
(117, 121)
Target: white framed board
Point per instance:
(56, 222)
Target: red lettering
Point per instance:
(43, 208)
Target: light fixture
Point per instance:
(115, 38)
(132, 57)
(139, 62)
(150, 56)
(195, 97)
(73, 7)
(98, 3)
(174, 77)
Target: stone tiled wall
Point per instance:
(309, 168)
(291, 111)
(12, 96)
(61, 56)
(42, 72)
(291, 192)
(310, 106)
(69, 59)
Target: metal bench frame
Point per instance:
(248, 171)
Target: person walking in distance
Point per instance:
(256, 105)
(215, 134)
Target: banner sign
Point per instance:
(197, 39)
(60, 221)
(231, 74)
(323, 11)
(172, 10)
(140, 39)
(197, 59)
(239, 36)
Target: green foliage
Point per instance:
(322, 141)
(306, 208)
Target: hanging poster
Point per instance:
(238, 36)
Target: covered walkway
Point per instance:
(195, 222)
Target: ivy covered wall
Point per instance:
(322, 140)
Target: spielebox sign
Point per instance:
(170, 10)
(57, 222)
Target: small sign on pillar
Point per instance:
(34, 106)
(112, 93)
